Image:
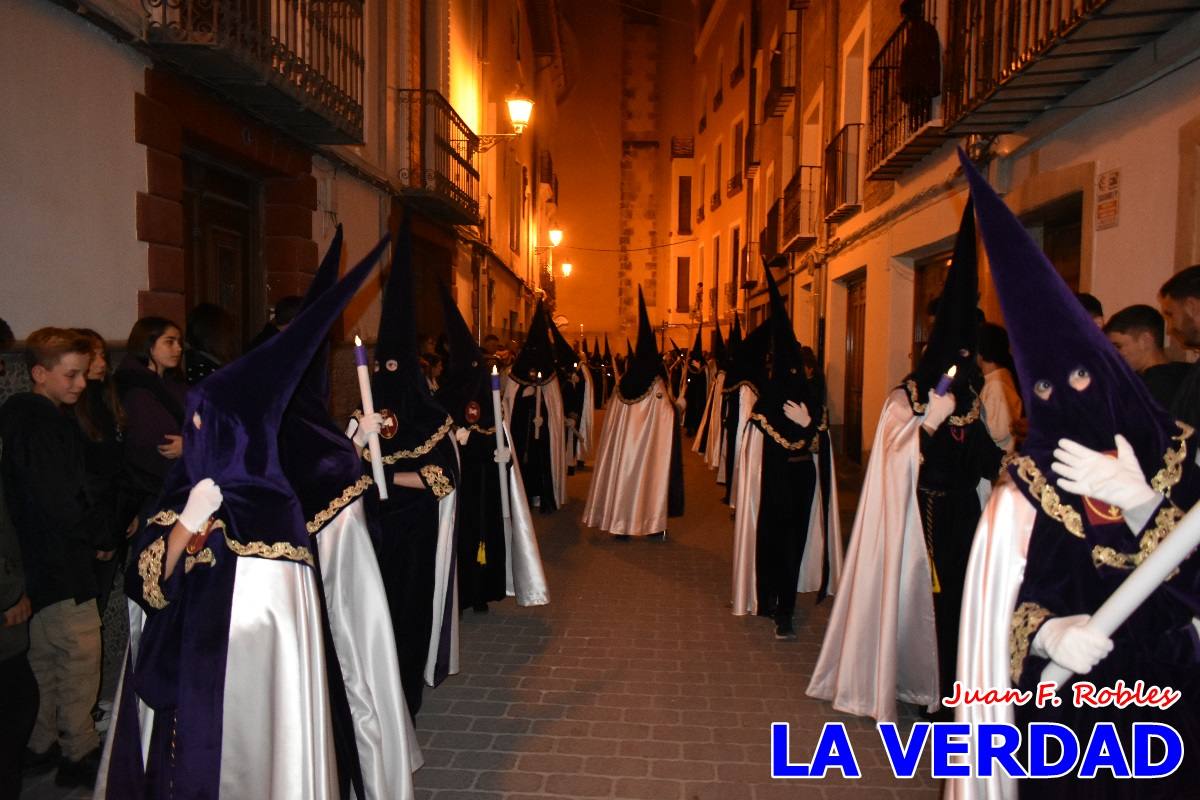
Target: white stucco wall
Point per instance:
(70, 172)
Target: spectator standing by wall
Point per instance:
(152, 393)
(1139, 334)
(1179, 299)
(44, 483)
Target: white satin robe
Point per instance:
(587, 424)
(747, 397)
(711, 431)
(525, 577)
(880, 644)
(552, 398)
(824, 536)
(628, 493)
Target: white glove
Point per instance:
(681, 404)
(367, 424)
(203, 501)
(939, 410)
(569, 422)
(797, 413)
(503, 455)
(1117, 481)
(1067, 642)
(527, 391)
(461, 435)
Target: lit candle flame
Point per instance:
(952, 371)
(494, 370)
(539, 374)
(357, 341)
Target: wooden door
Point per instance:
(856, 326)
(929, 280)
(221, 251)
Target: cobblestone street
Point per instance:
(635, 682)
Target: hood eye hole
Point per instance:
(1043, 389)
(1080, 379)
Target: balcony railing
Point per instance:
(782, 77)
(714, 202)
(1010, 60)
(801, 202)
(753, 156)
(437, 156)
(904, 123)
(768, 240)
(683, 147)
(733, 185)
(736, 74)
(718, 98)
(297, 64)
(843, 164)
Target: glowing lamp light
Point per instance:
(520, 108)
(556, 237)
(566, 269)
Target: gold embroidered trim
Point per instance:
(1164, 522)
(416, 452)
(960, 421)
(150, 567)
(437, 481)
(638, 399)
(1166, 478)
(738, 385)
(1047, 496)
(515, 379)
(777, 436)
(485, 431)
(338, 503)
(1026, 620)
(278, 550)
(164, 518)
(205, 556)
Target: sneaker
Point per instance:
(784, 630)
(34, 763)
(79, 773)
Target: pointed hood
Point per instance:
(786, 380)
(955, 334)
(645, 364)
(696, 354)
(720, 353)
(1073, 382)
(233, 421)
(464, 389)
(748, 360)
(399, 385)
(566, 360)
(537, 354)
(628, 350)
(318, 459)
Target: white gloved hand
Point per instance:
(461, 435)
(569, 422)
(1117, 481)
(203, 501)
(797, 413)
(527, 391)
(939, 410)
(1068, 642)
(503, 455)
(681, 404)
(367, 424)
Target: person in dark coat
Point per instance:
(153, 394)
(695, 390)
(1139, 334)
(1179, 299)
(534, 402)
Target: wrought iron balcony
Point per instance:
(714, 202)
(905, 124)
(843, 165)
(801, 202)
(753, 157)
(1010, 60)
(297, 64)
(733, 185)
(782, 77)
(437, 156)
(683, 147)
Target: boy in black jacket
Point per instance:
(43, 474)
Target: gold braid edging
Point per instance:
(777, 436)
(1165, 522)
(958, 422)
(1040, 488)
(1026, 620)
(416, 452)
(150, 567)
(485, 431)
(205, 556)
(278, 550)
(338, 503)
(1166, 478)
(164, 518)
(437, 481)
(637, 399)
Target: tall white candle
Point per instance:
(503, 454)
(368, 407)
(537, 408)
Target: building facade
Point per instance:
(159, 155)
(1084, 113)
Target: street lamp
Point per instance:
(566, 269)
(520, 108)
(556, 236)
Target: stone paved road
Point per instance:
(635, 682)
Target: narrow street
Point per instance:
(635, 682)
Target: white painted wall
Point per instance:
(70, 172)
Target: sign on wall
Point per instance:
(1108, 199)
